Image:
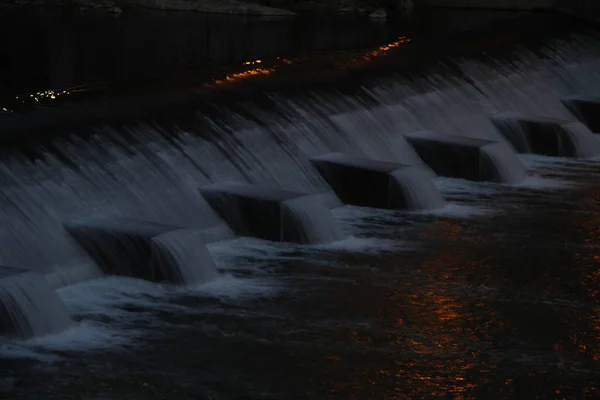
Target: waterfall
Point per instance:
(155, 174)
(307, 221)
(419, 191)
(273, 214)
(147, 250)
(182, 257)
(29, 306)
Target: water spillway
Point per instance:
(467, 158)
(547, 136)
(271, 214)
(29, 306)
(586, 108)
(379, 184)
(171, 169)
(156, 252)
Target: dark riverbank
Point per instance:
(66, 50)
(89, 68)
(281, 8)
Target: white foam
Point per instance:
(107, 296)
(454, 186)
(461, 211)
(350, 212)
(229, 287)
(370, 216)
(364, 221)
(536, 160)
(543, 183)
(248, 254)
(84, 336)
(258, 255)
(458, 189)
(21, 350)
(105, 323)
(355, 244)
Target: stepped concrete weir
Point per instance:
(467, 158)
(378, 184)
(586, 109)
(147, 250)
(29, 306)
(547, 136)
(273, 214)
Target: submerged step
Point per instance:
(467, 158)
(147, 250)
(29, 306)
(378, 184)
(547, 136)
(586, 109)
(272, 214)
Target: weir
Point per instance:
(29, 306)
(140, 249)
(467, 158)
(272, 214)
(379, 184)
(586, 108)
(152, 169)
(547, 136)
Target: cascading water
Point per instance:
(530, 84)
(507, 166)
(586, 109)
(29, 306)
(548, 136)
(379, 184)
(156, 252)
(272, 214)
(185, 250)
(157, 179)
(585, 145)
(420, 193)
(311, 221)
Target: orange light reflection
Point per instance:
(258, 71)
(439, 359)
(237, 76)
